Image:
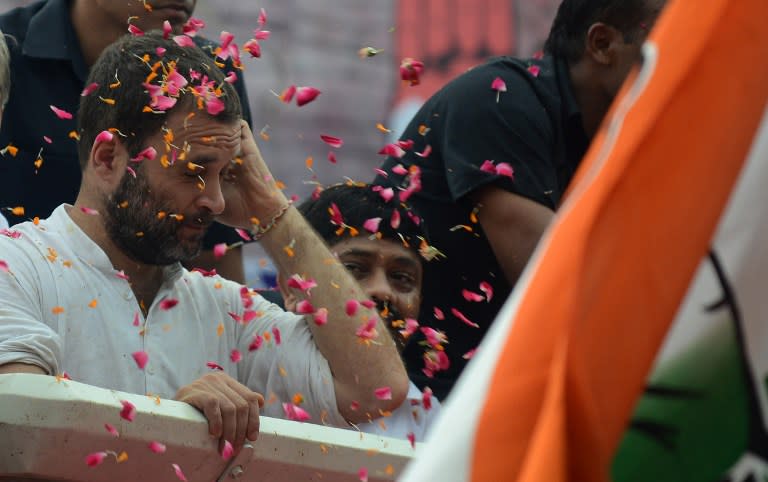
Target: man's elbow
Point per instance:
(359, 404)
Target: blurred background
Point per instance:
(316, 43)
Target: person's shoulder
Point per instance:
(15, 22)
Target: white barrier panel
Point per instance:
(48, 427)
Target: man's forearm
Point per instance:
(21, 368)
(359, 367)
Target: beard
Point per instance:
(140, 233)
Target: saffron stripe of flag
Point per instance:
(553, 386)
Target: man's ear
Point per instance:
(289, 299)
(108, 159)
(601, 43)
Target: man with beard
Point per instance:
(97, 289)
(55, 42)
(383, 246)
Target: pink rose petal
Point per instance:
(486, 288)
(305, 95)
(332, 141)
(60, 113)
(387, 194)
(141, 358)
(214, 366)
(94, 459)
(276, 335)
(472, 296)
(499, 85)
(372, 224)
(168, 303)
(89, 89)
(129, 410)
(112, 430)
(383, 393)
(362, 474)
(104, 136)
(458, 314)
(321, 316)
(89, 211)
(426, 398)
(304, 307)
(351, 307)
(412, 438)
(219, 250)
(184, 41)
(3, 266)
(157, 447)
(227, 451)
(298, 282)
(178, 472)
(135, 31)
(332, 157)
(294, 412)
(235, 356)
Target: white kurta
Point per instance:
(65, 308)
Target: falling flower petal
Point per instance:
(141, 358)
(94, 459)
(136, 319)
(219, 250)
(112, 430)
(3, 266)
(387, 194)
(168, 303)
(426, 152)
(351, 307)
(287, 95)
(383, 393)
(411, 325)
(146, 154)
(184, 41)
(426, 398)
(298, 282)
(214, 366)
(243, 234)
(135, 31)
(262, 20)
(104, 136)
(157, 447)
(231, 77)
(129, 410)
(411, 70)
(488, 166)
(468, 355)
(321, 316)
(332, 157)
(368, 304)
(412, 438)
(486, 288)
(256, 343)
(304, 307)
(367, 331)
(89, 211)
(372, 224)
(332, 141)
(227, 451)
(294, 412)
(166, 29)
(362, 474)
(193, 26)
(89, 89)
(504, 169)
(534, 70)
(499, 85)
(276, 334)
(458, 314)
(121, 274)
(400, 170)
(472, 296)
(60, 113)
(178, 472)
(252, 47)
(305, 95)
(235, 356)
(395, 221)
(392, 150)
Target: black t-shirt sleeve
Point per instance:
(515, 130)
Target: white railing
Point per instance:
(48, 427)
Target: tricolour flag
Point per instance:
(662, 241)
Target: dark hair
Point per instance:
(358, 202)
(121, 100)
(574, 17)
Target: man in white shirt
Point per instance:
(97, 289)
(384, 247)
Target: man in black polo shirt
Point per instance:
(54, 44)
(492, 154)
